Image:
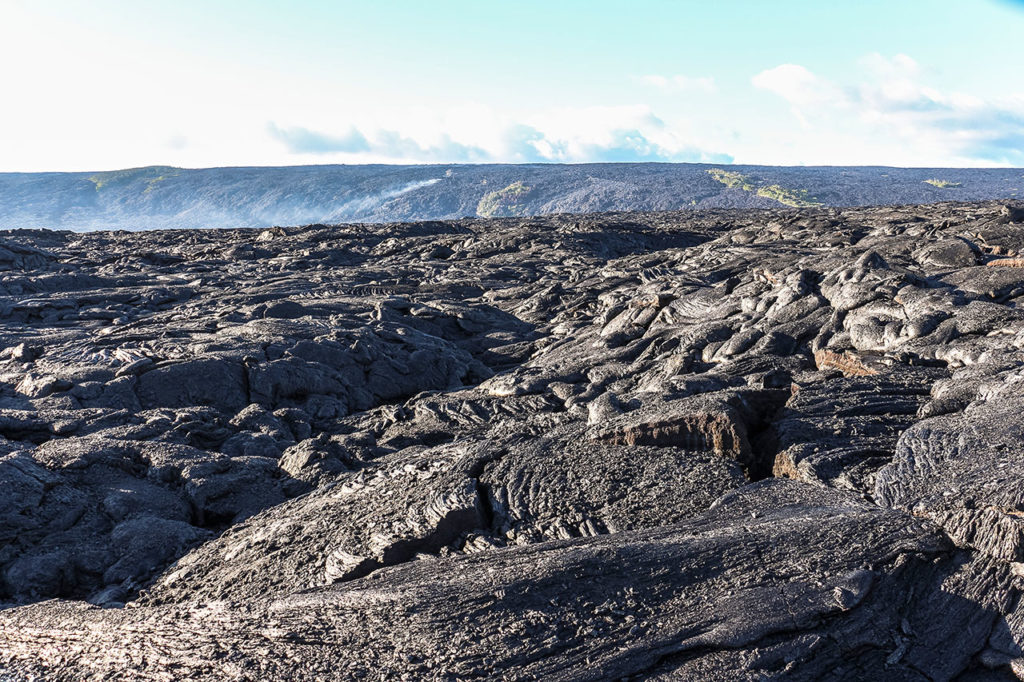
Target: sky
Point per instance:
(103, 84)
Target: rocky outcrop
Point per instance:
(963, 470)
(778, 579)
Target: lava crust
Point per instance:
(725, 445)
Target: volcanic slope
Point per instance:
(166, 197)
(728, 444)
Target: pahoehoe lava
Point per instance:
(708, 445)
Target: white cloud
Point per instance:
(891, 115)
(897, 66)
(564, 134)
(805, 91)
(796, 84)
(679, 83)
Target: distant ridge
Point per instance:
(157, 197)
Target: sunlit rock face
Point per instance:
(729, 444)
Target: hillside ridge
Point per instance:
(155, 197)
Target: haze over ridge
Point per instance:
(166, 197)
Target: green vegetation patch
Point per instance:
(149, 176)
(731, 179)
(943, 184)
(160, 178)
(504, 202)
(797, 198)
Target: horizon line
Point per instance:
(500, 163)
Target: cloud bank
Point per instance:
(566, 135)
(886, 113)
(894, 106)
(301, 140)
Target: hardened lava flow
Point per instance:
(702, 445)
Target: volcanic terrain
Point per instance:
(702, 445)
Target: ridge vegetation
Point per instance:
(796, 198)
(504, 202)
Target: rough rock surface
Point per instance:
(717, 445)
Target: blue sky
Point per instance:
(103, 84)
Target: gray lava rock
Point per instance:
(518, 448)
(832, 574)
(964, 470)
